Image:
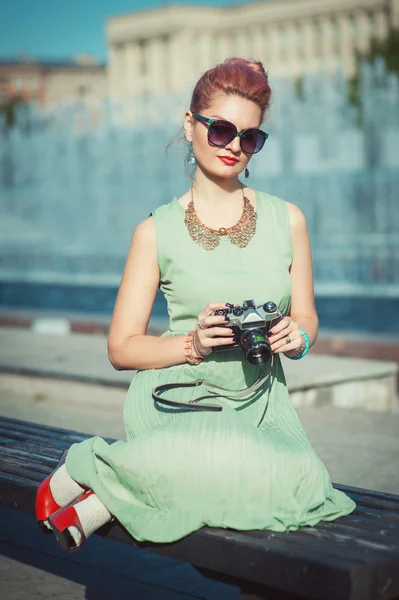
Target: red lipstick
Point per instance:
(228, 160)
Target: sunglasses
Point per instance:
(221, 133)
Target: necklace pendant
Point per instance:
(222, 231)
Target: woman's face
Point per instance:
(244, 113)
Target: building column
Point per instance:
(133, 73)
(381, 25)
(179, 51)
(156, 83)
(116, 73)
(291, 49)
(225, 49)
(243, 44)
(258, 45)
(327, 44)
(204, 51)
(395, 14)
(274, 46)
(363, 31)
(310, 45)
(346, 46)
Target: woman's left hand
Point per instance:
(285, 337)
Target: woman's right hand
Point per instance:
(208, 331)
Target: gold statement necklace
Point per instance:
(240, 234)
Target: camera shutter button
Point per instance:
(269, 307)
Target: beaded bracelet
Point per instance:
(188, 350)
(302, 351)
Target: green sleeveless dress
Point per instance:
(249, 466)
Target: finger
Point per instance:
(212, 321)
(282, 324)
(282, 345)
(220, 341)
(212, 332)
(290, 327)
(208, 310)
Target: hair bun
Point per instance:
(255, 65)
(236, 76)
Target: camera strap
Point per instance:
(193, 404)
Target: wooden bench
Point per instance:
(353, 558)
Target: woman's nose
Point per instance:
(234, 145)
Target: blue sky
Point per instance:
(64, 28)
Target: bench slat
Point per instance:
(33, 457)
(18, 424)
(11, 467)
(46, 450)
(344, 534)
(24, 461)
(356, 521)
(369, 493)
(14, 434)
(44, 431)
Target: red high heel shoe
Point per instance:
(45, 503)
(63, 519)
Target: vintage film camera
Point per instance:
(250, 324)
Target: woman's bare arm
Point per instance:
(129, 347)
(303, 310)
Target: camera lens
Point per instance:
(255, 346)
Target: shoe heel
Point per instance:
(45, 504)
(60, 523)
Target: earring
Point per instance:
(192, 160)
(246, 173)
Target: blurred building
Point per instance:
(164, 50)
(48, 82)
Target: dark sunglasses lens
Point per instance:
(252, 140)
(221, 133)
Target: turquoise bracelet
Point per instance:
(307, 346)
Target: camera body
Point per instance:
(250, 324)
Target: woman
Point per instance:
(249, 465)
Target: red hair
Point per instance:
(234, 76)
